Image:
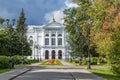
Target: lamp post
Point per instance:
(88, 35)
(34, 49)
(11, 63)
(37, 46)
(88, 59)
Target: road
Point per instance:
(48, 74)
(66, 72)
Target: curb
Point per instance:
(20, 74)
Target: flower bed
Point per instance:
(52, 62)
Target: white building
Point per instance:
(48, 41)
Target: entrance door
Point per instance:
(53, 54)
(46, 54)
(59, 54)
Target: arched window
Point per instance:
(31, 42)
(53, 35)
(46, 35)
(53, 54)
(59, 54)
(30, 37)
(59, 35)
(46, 54)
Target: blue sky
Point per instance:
(37, 12)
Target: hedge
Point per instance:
(4, 62)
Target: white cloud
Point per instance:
(70, 4)
(58, 14)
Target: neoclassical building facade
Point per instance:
(48, 41)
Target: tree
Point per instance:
(114, 56)
(1, 22)
(75, 35)
(21, 34)
(77, 21)
(21, 27)
(106, 14)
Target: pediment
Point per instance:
(53, 25)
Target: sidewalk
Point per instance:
(12, 74)
(19, 70)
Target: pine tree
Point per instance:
(21, 27)
(21, 34)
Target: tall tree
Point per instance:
(77, 21)
(21, 27)
(21, 33)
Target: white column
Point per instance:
(43, 33)
(56, 38)
(49, 38)
(63, 38)
(34, 40)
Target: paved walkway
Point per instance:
(66, 63)
(77, 72)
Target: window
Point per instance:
(59, 54)
(59, 35)
(53, 41)
(31, 42)
(53, 35)
(46, 35)
(59, 41)
(46, 41)
(31, 37)
(46, 54)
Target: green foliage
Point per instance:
(17, 59)
(4, 70)
(20, 32)
(104, 31)
(4, 62)
(75, 37)
(4, 43)
(13, 40)
(21, 27)
(1, 22)
(105, 73)
(115, 52)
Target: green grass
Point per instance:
(105, 73)
(4, 70)
(59, 63)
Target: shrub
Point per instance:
(17, 59)
(4, 62)
(98, 60)
(84, 61)
(94, 60)
(75, 61)
(114, 56)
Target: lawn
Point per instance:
(105, 73)
(52, 62)
(4, 70)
